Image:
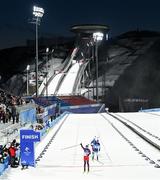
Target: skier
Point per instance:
(95, 148)
(87, 152)
(93, 141)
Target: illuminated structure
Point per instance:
(96, 34)
(38, 14)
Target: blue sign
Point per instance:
(27, 154)
(29, 135)
(27, 139)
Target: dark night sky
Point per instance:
(60, 15)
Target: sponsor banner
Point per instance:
(27, 139)
(27, 153)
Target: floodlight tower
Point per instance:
(47, 52)
(28, 68)
(97, 37)
(38, 14)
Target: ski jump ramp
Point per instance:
(57, 79)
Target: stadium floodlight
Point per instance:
(38, 13)
(47, 50)
(97, 37)
(28, 67)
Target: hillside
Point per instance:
(131, 72)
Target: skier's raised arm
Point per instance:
(82, 146)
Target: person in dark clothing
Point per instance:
(87, 152)
(2, 115)
(8, 115)
(57, 110)
(13, 142)
(13, 113)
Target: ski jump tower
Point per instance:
(88, 38)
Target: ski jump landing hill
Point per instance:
(63, 81)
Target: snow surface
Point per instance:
(63, 159)
(68, 82)
(53, 84)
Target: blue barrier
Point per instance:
(2, 168)
(43, 131)
(48, 112)
(28, 115)
(45, 101)
(150, 110)
(4, 165)
(6, 162)
(91, 108)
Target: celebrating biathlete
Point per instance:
(87, 152)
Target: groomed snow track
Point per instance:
(124, 153)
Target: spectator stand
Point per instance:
(27, 116)
(43, 129)
(9, 129)
(9, 133)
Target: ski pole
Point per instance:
(70, 147)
